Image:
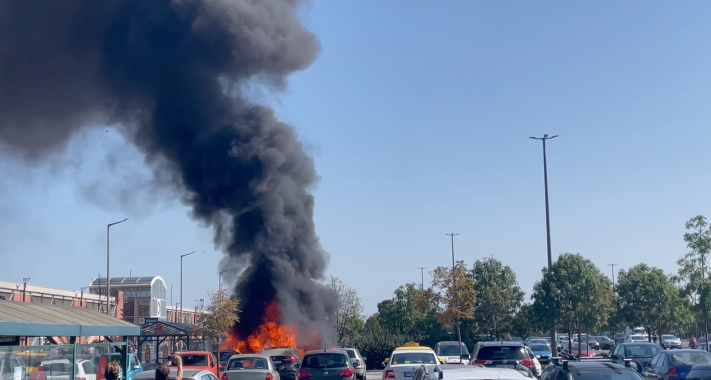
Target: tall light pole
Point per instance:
(81, 299)
(422, 273)
(108, 264)
(24, 288)
(220, 278)
(180, 312)
(548, 223)
(613, 276)
(171, 294)
(456, 301)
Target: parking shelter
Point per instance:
(59, 324)
(160, 339)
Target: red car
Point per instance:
(198, 360)
(585, 351)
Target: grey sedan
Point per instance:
(188, 374)
(671, 342)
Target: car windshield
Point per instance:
(452, 350)
(641, 351)
(501, 353)
(690, 357)
(605, 375)
(699, 374)
(538, 341)
(668, 337)
(413, 358)
(56, 367)
(248, 363)
(194, 360)
(89, 368)
(638, 338)
(540, 347)
(325, 360)
(225, 356)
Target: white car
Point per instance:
(636, 338)
(61, 369)
(535, 361)
(472, 372)
(404, 362)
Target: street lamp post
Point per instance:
(180, 313)
(456, 300)
(24, 288)
(171, 295)
(422, 274)
(548, 223)
(81, 299)
(108, 264)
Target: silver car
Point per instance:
(251, 367)
(188, 374)
(358, 363)
(671, 342)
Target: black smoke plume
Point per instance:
(170, 75)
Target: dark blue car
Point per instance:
(675, 364)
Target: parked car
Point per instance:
(403, 362)
(188, 374)
(543, 351)
(536, 364)
(588, 370)
(641, 354)
(636, 339)
(504, 355)
(448, 352)
(700, 371)
(358, 363)
(620, 338)
(286, 360)
(203, 360)
(605, 343)
(581, 349)
(675, 364)
(471, 372)
(251, 367)
(224, 357)
(670, 341)
(327, 365)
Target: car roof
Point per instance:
(416, 350)
(187, 372)
(240, 356)
(403, 348)
(507, 343)
(335, 351)
(448, 342)
(193, 353)
(458, 371)
(594, 364)
(639, 343)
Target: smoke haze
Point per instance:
(168, 74)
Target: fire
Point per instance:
(272, 334)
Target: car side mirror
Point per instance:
(137, 367)
(212, 364)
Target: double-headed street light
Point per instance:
(108, 264)
(180, 313)
(548, 223)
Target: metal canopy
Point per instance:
(167, 329)
(35, 319)
(125, 281)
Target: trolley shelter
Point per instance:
(64, 328)
(160, 339)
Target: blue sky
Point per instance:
(418, 116)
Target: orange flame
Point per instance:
(271, 334)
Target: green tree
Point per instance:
(498, 296)
(693, 267)
(644, 293)
(349, 319)
(406, 314)
(575, 293)
(526, 323)
(220, 315)
(677, 315)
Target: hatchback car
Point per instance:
(605, 343)
(504, 355)
(326, 365)
(402, 364)
(250, 367)
(542, 351)
(675, 364)
(188, 374)
(448, 352)
(700, 372)
(591, 369)
(641, 354)
(581, 349)
(286, 360)
(358, 363)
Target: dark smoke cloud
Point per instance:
(169, 74)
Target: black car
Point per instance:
(286, 360)
(641, 354)
(503, 355)
(327, 365)
(589, 370)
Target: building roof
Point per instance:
(35, 319)
(119, 282)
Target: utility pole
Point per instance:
(24, 288)
(180, 313)
(613, 275)
(108, 266)
(422, 273)
(81, 299)
(456, 300)
(548, 226)
(703, 300)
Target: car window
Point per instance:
(617, 350)
(540, 347)
(248, 363)
(501, 352)
(351, 354)
(640, 351)
(655, 360)
(194, 360)
(88, 367)
(413, 358)
(452, 350)
(212, 377)
(325, 360)
(690, 358)
(205, 377)
(547, 373)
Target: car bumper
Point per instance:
(287, 374)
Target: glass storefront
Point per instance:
(58, 362)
